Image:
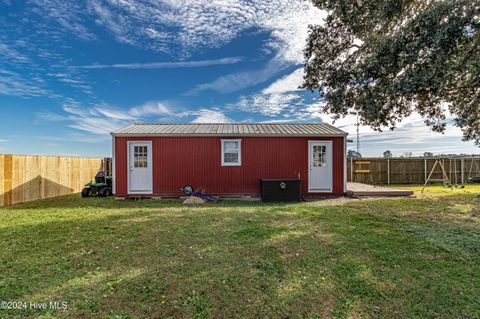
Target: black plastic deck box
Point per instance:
(280, 190)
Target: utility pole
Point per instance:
(358, 136)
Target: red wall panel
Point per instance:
(178, 161)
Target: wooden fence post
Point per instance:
(462, 164)
(351, 169)
(450, 169)
(7, 180)
(388, 171)
(425, 171)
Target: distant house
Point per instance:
(227, 159)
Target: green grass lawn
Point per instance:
(342, 258)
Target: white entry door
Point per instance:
(140, 168)
(320, 172)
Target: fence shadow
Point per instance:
(26, 178)
(34, 189)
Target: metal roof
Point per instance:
(230, 129)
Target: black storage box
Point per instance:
(280, 190)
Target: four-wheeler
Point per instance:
(101, 187)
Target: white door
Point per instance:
(320, 173)
(140, 168)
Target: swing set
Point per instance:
(446, 180)
(474, 179)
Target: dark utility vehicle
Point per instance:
(102, 186)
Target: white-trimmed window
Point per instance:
(231, 152)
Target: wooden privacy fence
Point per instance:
(25, 178)
(412, 170)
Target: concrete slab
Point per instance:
(365, 190)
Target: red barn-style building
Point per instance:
(227, 160)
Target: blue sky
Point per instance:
(73, 71)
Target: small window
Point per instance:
(319, 156)
(140, 157)
(231, 152)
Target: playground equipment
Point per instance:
(445, 180)
(474, 179)
(455, 181)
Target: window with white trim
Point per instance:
(231, 152)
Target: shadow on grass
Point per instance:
(147, 254)
(237, 259)
(76, 201)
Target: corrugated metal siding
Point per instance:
(178, 161)
(191, 129)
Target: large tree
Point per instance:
(384, 59)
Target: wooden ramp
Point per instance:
(365, 190)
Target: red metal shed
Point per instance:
(227, 159)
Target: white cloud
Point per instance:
(104, 119)
(22, 75)
(412, 131)
(73, 79)
(26, 53)
(114, 114)
(181, 27)
(70, 15)
(210, 116)
(279, 121)
(91, 120)
(267, 104)
(74, 137)
(150, 108)
(288, 83)
(11, 53)
(287, 23)
(189, 24)
(289, 27)
(164, 65)
(15, 84)
(50, 117)
(240, 80)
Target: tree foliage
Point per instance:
(353, 154)
(384, 59)
(387, 154)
